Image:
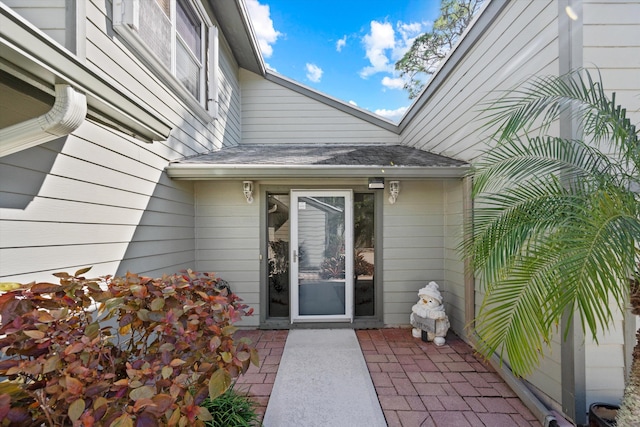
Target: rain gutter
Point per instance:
(194, 171)
(67, 114)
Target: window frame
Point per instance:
(126, 23)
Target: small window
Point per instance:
(178, 41)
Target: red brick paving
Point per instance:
(418, 383)
(421, 384)
(258, 382)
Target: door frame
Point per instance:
(294, 285)
(266, 321)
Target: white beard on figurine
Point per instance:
(427, 312)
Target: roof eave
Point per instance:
(233, 19)
(28, 54)
(224, 171)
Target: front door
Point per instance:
(321, 255)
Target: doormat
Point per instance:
(323, 380)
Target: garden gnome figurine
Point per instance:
(428, 317)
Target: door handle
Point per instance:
(295, 256)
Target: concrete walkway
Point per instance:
(322, 381)
(417, 383)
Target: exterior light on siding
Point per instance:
(376, 183)
(247, 189)
(394, 190)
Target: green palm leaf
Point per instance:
(556, 222)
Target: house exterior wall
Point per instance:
(100, 198)
(611, 46)
(412, 242)
(51, 16)
(521, 42)
(228, 239)
(453, 286)
(525, 40)
(272, 113)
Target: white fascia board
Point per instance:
(193, 171)
(29, 51)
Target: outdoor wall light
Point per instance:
(394, 190)
(247, 189)
(376, 183)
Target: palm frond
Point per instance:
(543, 100)
(556, 222)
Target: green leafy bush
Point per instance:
(231, 409)
(119, 351)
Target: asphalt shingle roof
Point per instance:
(319, 154)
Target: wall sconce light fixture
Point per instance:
(247, 189)
(394, 190)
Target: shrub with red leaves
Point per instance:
(129, 351)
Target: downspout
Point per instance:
(67, 114)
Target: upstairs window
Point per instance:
(178, 41)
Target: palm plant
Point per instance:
(556, 222)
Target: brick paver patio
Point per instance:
(418, 383)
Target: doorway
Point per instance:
(329, 224)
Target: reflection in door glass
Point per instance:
(364, 242)
(321, 252)
(278, 254)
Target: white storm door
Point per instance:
(321, 255)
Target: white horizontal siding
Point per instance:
(50, 16)
(94, 198)
(228, 125)
(521, 42)
(275, 114)
(611, 38)
(411, 262)
(228, 239)
(100, 198)
(190, 135)
(453, 288)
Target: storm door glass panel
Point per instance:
(363, 265)
(320, 255)
(278, 254)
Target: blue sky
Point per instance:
(346, 49)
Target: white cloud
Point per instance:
(376, 43)
(353, 103)
(393, 115)
(385, 45)
(263, 26)
(392, 83)
(341, 43)
(314, 73)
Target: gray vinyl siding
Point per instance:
(50, 16)
(272, 113)
(101, 198)
(228, 239)
(413, 241)
(521, 42)
(611, 40)
(94, 198)
(454, 283)
(229, 120)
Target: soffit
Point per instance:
(233, 19)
